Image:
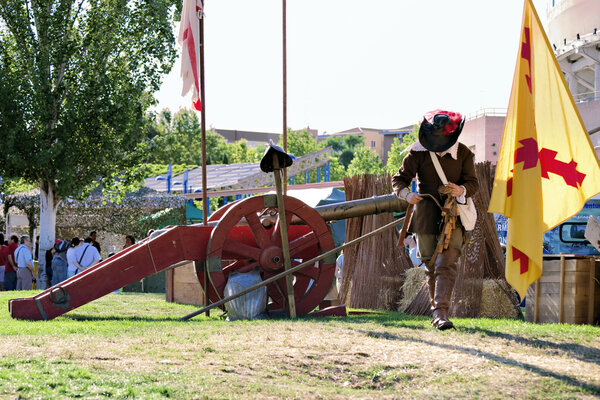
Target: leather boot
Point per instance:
(445, 276)
(431, 284)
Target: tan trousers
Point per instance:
(426, 243)
(24, 279)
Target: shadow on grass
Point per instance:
(399, 320)
(130, 318)
(383, 318)
(577, 351)
(568, 380)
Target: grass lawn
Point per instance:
(134, 346)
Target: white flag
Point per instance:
(189, 39)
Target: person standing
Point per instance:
(438, 137)
(72, 257)
(86, 256)
(3, 261)
(129, 241)
(59, 261)
(10, 271)
(93, 236)
(36, 248)
(24, 262)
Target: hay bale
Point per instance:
(495, 303)
(414, 278)
(391, 291)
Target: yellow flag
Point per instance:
(547, 167)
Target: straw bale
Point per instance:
(391, 291)
(494, 300)
(414, 278)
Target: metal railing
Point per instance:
(487, 112)
(568, 45)
(587, 96)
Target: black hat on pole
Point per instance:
(440, 130)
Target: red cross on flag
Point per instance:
(189, 38)
(547, 167)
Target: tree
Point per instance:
(240, 152)
(76, 77)
(344, 146)
(178, 140)
(336, 169)
(346, 157)
(399, 150)
(395, 157)
(300, 143)
(365, 162)
(353, 141)
(337, 143)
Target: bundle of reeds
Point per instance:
(353, 190)
(414, 278)
(373, 270)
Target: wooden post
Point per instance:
(591, 294)
(203, 138)
(287, 263)
(561, 309)
(284, 40)
(169, 285)
(536, 313)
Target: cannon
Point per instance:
(238, 237)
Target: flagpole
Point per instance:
(203, 117)
(284, 23)
(203, 138)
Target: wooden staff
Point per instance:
(287, 263)
(409, 213)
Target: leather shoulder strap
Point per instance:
(438, 168)
(82, 254)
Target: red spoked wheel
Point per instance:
(219, 213)
(241, 242)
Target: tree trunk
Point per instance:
(49, 202)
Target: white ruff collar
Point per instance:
(453, 151)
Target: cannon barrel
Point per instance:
(361, 207)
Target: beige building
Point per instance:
(256, 138)
(378, 141)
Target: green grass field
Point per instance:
(126, 346)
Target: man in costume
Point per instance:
(438, 133)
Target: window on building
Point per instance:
(493, 144)
(494, 153)
(372, 144)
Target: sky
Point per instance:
(376, 64)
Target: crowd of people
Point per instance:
(64, 260)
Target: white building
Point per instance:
(574, 33)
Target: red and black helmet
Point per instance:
(440, 130)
